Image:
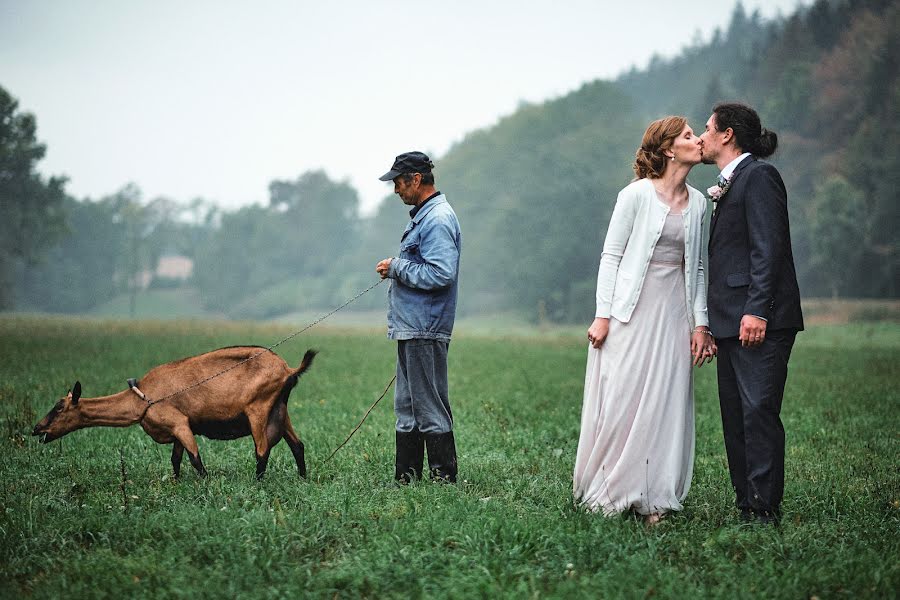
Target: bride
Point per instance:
(636, 449)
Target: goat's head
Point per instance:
(63, 418)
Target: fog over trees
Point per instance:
(533, 193)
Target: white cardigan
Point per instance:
(636, 224)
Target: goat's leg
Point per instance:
(258, 429)
(185, 436)
(262, 461)
(297, 448)
(273, 436)
(177, 453)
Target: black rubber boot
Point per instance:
(410, 455)
(441, 456)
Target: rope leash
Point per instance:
(133, 386)
(371, 408)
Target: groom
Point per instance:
(754, 303)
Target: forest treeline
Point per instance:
(534, 192)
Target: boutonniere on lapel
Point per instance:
(718, 191)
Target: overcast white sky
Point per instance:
(216, 99)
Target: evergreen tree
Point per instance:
(31, 207)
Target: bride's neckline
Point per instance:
(687, 205)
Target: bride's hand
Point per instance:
(598, 331)
(703, 347)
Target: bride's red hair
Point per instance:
(649, 160)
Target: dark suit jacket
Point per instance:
(751, 266)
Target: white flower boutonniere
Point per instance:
(718, 191)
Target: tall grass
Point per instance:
(71, 524)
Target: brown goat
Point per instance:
(249, 399)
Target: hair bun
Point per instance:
(766, 143)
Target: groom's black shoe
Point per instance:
(768, 517)
(763, 517)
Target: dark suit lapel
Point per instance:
(734, 175)
(741, 166)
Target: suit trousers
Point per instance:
(751, 389)
(421, 398)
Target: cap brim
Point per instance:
(389, 176)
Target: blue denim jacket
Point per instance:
(422, 296)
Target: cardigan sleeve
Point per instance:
(701, 316)
(620, 225)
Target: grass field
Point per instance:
(71, 524)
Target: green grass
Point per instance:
(155, 304)
(511, 531)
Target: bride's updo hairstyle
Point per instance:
(749, 133)
(650, 160)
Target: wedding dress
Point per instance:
(636, 449)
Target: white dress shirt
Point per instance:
(730, 167)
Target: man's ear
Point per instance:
(729, 135)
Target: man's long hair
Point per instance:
(749, 133)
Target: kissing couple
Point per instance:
(675, 289)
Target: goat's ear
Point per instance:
(76, 392)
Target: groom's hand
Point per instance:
(753, 331)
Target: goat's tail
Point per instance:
(295, 375)
(305, 363)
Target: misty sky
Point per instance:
(216, 99)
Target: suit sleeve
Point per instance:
(768, 234)
(620, 225)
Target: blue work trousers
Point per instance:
(421, 399)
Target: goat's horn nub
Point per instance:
(132, 383)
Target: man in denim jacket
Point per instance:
(422, 308)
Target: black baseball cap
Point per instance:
(409, 162)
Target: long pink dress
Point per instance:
(636, 449)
